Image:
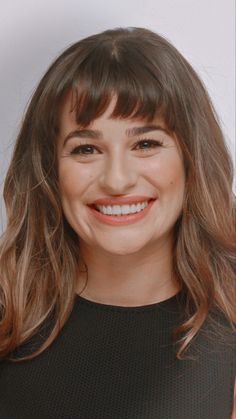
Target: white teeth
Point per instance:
(121, 209)
(125, 209)
(116, 210)
(133, 208)
(109, 210)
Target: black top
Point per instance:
(113, 362)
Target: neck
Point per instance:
(127, 280)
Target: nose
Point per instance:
(118, 175)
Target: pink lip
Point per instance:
(118, 220)
(127, 200)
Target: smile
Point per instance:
(121, 209)
(118, 215)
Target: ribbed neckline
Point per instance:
(169, 303)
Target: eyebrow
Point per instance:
(97, 135)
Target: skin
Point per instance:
(131, 265)
(127, 265)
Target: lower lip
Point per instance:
(117, 220)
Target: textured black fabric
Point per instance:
(119, 363)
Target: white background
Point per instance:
(34, 32)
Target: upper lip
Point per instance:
(126, 200)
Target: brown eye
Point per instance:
(149, 144)
(83, 149)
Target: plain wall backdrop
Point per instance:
(33, 33)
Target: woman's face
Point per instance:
(123, 162)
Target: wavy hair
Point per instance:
(39, 250)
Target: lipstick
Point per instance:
(120, 220)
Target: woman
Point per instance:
(117, 263)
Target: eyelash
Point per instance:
(81, 146)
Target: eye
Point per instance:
(83, 149)
(147, 144)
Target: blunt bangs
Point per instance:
(119, 71)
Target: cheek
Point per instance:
(176, 186)
(68, 186)
(167, 174)
(73, 181)
(176, 177)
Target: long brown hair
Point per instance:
(39, 251)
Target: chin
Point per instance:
(122, 250)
